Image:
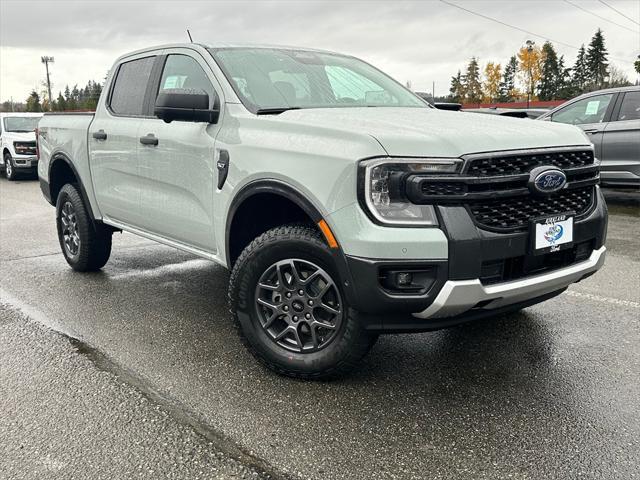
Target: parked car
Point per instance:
(18, 139)
(611, 118)
(344, 205)
(456, 107)
(509, 112)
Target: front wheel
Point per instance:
(9, 167)
(288, 303)
(86, 245)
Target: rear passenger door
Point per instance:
(113, 141)
(178, 173)
(621, 143)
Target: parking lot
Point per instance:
(550, 392)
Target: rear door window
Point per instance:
(587, 110)
(630, 109)
(130, 86)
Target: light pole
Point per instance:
(47, 60)
(530, 44)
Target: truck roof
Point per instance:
(222, 45)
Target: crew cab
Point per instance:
(344, 205)
(18, 143)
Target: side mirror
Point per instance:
(455, 107)
(185, 104)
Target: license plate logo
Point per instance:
(553, 232)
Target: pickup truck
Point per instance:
(18, 143)
(344, 205)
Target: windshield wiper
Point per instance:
(274, 111)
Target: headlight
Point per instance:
(382, 186)
(22, 148)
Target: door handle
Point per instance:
(592, 131)
(100, 135)
(149, 139)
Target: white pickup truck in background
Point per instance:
(17, 133)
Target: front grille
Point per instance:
(514, 213)
(495, 187)
(515, 164)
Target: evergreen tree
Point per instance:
(597, 65)
(471, 81)
(508, 84)
(565, 86)
(456, 91)
(580, 77)
(33, 102)
(552, 75)
(61, 103)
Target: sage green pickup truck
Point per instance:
(344, 205)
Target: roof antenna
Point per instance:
(189, 33)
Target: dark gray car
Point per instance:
(611, 118)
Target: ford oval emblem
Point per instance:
(547, 180)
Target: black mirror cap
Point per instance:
(186, 104)
(456, 107)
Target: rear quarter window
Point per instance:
(130, 85)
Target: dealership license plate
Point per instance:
(552, 234)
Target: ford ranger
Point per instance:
(344, 205)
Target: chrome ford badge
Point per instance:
(545, 180)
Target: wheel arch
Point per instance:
(61, 172)
(254, 201)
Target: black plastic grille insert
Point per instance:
(522, 163)
(514, 213)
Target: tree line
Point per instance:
(72, 99)
(538, 73)
(68, 100)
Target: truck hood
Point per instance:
(426, 131)
(19, 136)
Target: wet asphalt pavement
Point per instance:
(550, 392)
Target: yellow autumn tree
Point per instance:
(491, 84)
(530, 67)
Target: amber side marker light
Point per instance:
(328, 234)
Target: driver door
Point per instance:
(177, 170)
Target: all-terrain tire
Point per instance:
(86, 245)
(349, 342)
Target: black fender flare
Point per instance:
(291, 193)
(59, 156)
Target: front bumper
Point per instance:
(459, 296)
(464, 286)
(25, 161)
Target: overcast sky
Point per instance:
(419, 41)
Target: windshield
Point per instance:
(270, 79)
(20, 124)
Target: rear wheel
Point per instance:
(288, 303)
(9, 167)
(85, 244)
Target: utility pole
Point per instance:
(530, 44)
(433, 91)
(47, 60)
